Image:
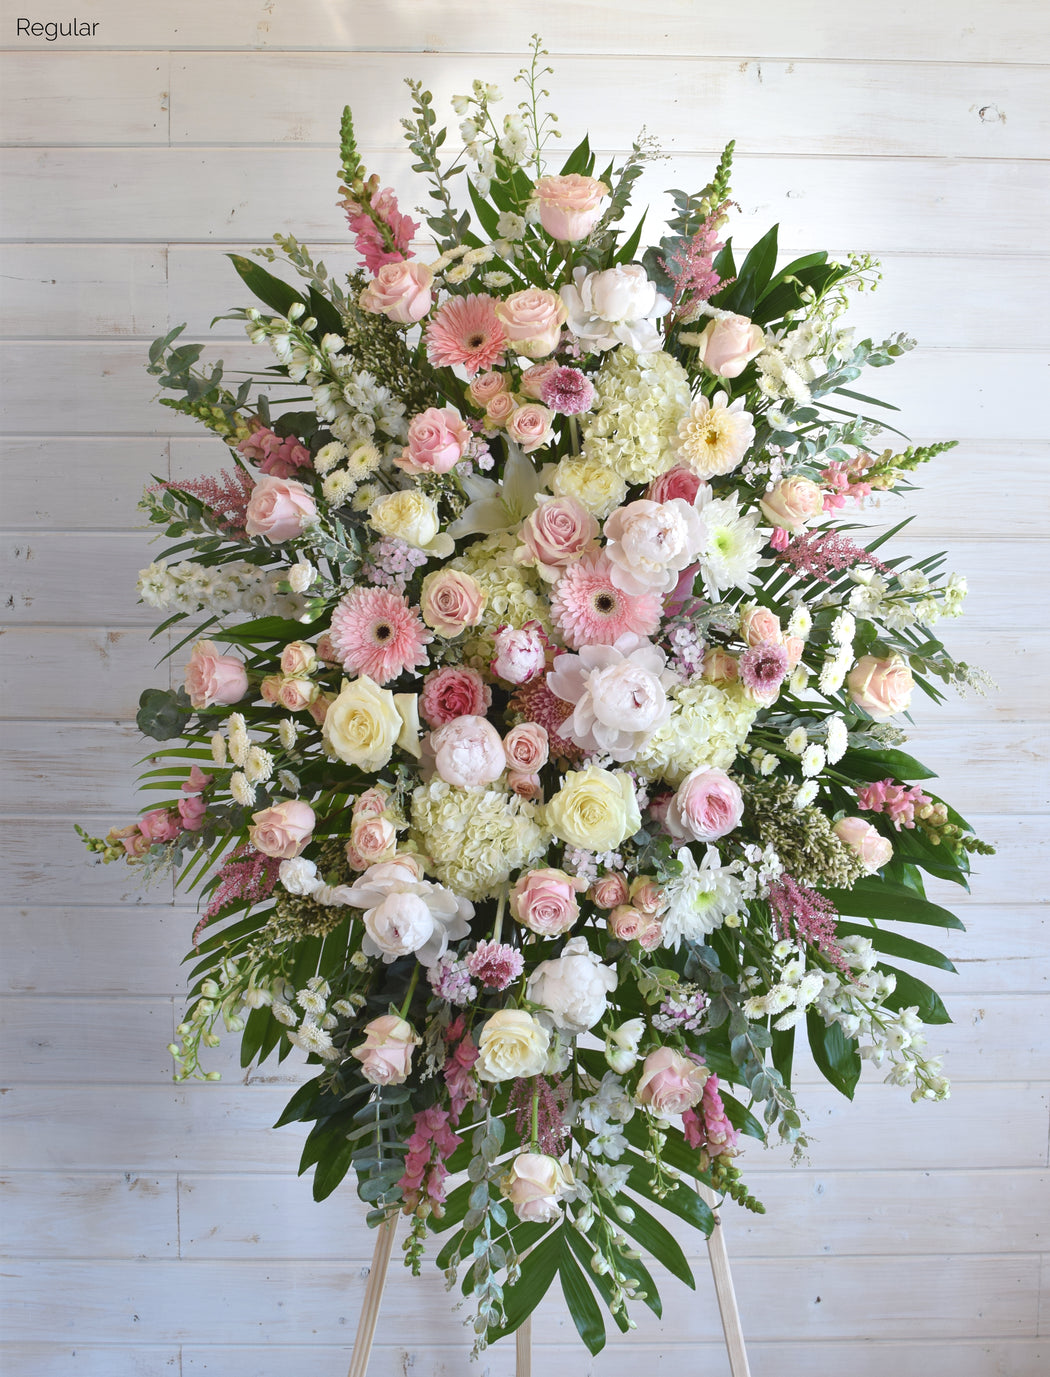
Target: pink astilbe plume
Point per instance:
(381, 233)
(801, 912)
(550, 1112)
(817, 552)
(228, 499)
(692, 267)
(248, 876)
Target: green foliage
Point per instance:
(163, 713)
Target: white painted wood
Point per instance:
(879, 204)
(965, 31)
(107, 950)
(104, 478)
(118, 1216)
(112, 669)
(70, 1039)
(104, 289)
(52, 98)
(80, 1360)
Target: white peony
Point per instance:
(573, 989)
(650, 543)
(617, 306)
(404, 914)
(619, 692)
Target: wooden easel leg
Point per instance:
(523, 1337)
(366, 1325)
(731, 1329)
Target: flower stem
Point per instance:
(535, 1139)
(501, 904)
(413, 982)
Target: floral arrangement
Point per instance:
(535, 756)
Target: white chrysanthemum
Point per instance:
(844, 628)
(329, 457)
(218, 748)
(239, 744)
(287, 731)
(813, 760)
(284, 1013)
(258, 765)
(311, 1001)
(289, 783)
(496, 281)
(363, 461)
(799, 681)
(366, 495)
(475, 838)
(337, 487)
(805, 795)
(834, 669)
(837, 739)
(732, 549)
(242, 789)
(714, 437)
(709, 724)
(768, 764)
(796, 741)
(754, 1007)
(699, 898)
(633, 428)
(800, 623)
(311, 1037)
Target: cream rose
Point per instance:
(410, 516)
(594, 809)
(728, 345)
(534, 1185)
(570, 205)
(882, 687)
(451, 601)
(512, 1046)
(532, 321)
(363, 724)
(792, 503)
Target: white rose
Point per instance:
(574, 988)
(617, 306)
(534, 1185)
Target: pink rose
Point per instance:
(719, 666)
(297, 694)
(544, 901)
(450, 601)
(760, 624)
(527, 786)
(532, 321)
(570, 205)
(530, 426)
(318, 709)
(486, 386)
(627, 923)
(706, 806)
(677, 482)
(728, 345)
(647, 895)
(557, 532)
(399, 291)
(670, 1083)
(191, 812)
(270, 688)
(159, 825)
(468, 752)
(214, 678)
(881, 687)
(373, 838)
(283, 830)
(277, 509)
(500, 409)
(453, 692)
(792, 503)
(873, 849)
(371, 804)
(298, 657)
(437, 439)
(326, 651)
(386, 1053)
(534, 1184)
(533, 378)
(520, 654)
(794, 646)
(196, 781)
(610, 891)
(527, 747)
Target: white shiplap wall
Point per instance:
(157, 1230)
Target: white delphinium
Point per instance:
(510, 226)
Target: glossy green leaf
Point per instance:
(891, 903)
(270, 290)
(896, 945)
(584, 1309)
(836, 1056)
(660, 1242)
(913, 991)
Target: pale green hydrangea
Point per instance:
(709, 724)
(634, 427)
(475, 838)
(515, 594)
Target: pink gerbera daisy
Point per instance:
(375, 632)
(466, 330)
(591, 610)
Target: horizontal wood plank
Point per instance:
(75, 1038)
(120, 1216)
(69, 98)
(84, 291)
(119, 949)
(104, 478)
(113, 666)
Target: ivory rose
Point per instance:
(527, 747)
(534, 1185)
(277, 509)
(512, 1045)
(670, 1083)
(728, 345)
(594, 809)
(450, 601)
(882, 687)
(532, 321)
(214, 678)
(283, 830)
(386, 1053)
(706, 806)
(364, 723)
(574, 988)
(399, 291)
(872, 848)
(793, 502)
(556, 533)
(570, 205)
(468, 752)
(544, 901)
(438, 438)
(410, 516)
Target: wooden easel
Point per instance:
(716, 1251)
